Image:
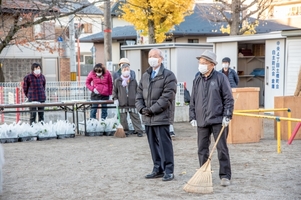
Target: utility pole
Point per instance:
(108, 34)
(72, 48)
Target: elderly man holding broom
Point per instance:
(211, 108)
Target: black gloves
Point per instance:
(147, 112)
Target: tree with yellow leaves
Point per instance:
(156, 17)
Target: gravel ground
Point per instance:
(113, 168)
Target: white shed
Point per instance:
(178, 57)
(269, 61)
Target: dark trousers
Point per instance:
(161, 148)
(222, 148)
(104, 110)
(33, 114)
(135, 121)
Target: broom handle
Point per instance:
(220, 133)
(216, 141)
(118, 114)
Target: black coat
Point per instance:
(157, 94)
(211, 99)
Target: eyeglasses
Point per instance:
(125, 65)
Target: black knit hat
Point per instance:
(226, 59)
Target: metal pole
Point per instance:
(267, 117)
(289, 124)
(72, 48)
(278, 136)
(263, 110)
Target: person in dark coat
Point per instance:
(186, 94)
(117, 74)
(154, 100)
(211, 107)
(34, 89)
(230, 73)
(124, 94)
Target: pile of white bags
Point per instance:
(94, 125)
(40, 129)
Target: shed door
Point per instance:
(274, 71)
(49, 68)
(293, 65)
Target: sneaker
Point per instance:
(139, 135)
(225, 182)
(172, 134)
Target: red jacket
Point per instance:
(103, 84)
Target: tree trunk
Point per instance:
(234, 26)
(151, 32)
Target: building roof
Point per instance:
(90, 10)
(193, 25)
(11, 5)
(25, 6)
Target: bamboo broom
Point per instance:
(201, 182)
(119, 132)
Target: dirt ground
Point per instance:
(114, 168)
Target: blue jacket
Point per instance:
(232, 76)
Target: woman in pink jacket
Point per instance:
(99, 82)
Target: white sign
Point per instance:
(166, 58)
(110, 66)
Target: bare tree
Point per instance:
(241, 15)
(18, 19)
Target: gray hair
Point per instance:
(159, 51)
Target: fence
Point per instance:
(12, 93)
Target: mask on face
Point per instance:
(225, 65)
(126, 73)
(153, 62)
(203, 69)
(98, 74)
(37, 71)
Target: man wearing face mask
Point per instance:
(155, 101)
(34, 89)
(230, 73)
(124, 93)
(211, 107)
(117, 74)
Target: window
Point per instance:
(87, 28)
(88, 60)
(48, 30)
(193, 40)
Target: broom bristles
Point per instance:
(201, 182)
(120, 132)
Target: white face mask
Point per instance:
(153, 62)
(125, 73)
(98, 74)
(37, 71)
(225, 65)
(203, 69)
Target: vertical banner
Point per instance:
(274, 61)
(166, 58)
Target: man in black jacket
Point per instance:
(154, 100)
(211, 107)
